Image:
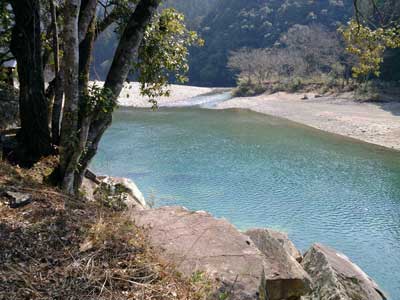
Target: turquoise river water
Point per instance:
(261, 171)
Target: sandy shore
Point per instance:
(130, 95)
(377, 123)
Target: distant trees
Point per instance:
(316, 52)
(318, 47)
(260, 65)
(236, 24)
(194, 10)
(253, 64)
(304, 51)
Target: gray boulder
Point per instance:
(261, 236)
(335, 277)
(288, 280)
(117, 193)
(17, 199)
(133, 197)
(197, 242)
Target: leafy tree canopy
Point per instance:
(164, 53)
(369, 46)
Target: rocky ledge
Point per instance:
(257, 264)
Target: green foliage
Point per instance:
(201, 280)
(223, 296)
(194, 10)
(112, 196)
(369, 46)
(309, 52)
(6, 20)
(295, 85)
(228, 25)
(246, 88)
(97, 100)
(122, 11)
(164, 53)
(5, 24)
(368, 91)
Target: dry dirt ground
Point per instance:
(61, 247)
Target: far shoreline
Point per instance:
(375, 123)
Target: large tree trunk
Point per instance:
(85, 116)
(26, 46)
(128, 46)
(88, 12)
(69, 157)
(125, 54)
(79, 39)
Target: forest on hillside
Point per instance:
(230, 25)
(255, 24)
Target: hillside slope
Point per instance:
(61, 247)
(255, 24)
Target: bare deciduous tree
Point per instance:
(304, 51)
(319, 47)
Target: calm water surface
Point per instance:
(260, 171)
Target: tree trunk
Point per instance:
(69, 127)
(58, 90)
(83, 35)
(85, 117)
(126, 53)
(26, 46)
(88, 12)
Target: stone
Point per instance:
(16, 199)
(289, 280)
(8, 142)
(335, 277)
(135, 199)
(261, 235)
(116, 193)
(198, 242)
(88, 188)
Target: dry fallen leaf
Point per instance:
(85, 246)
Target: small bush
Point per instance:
(112, 196)
(248, 89)
(367, 92)
(295, 85)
